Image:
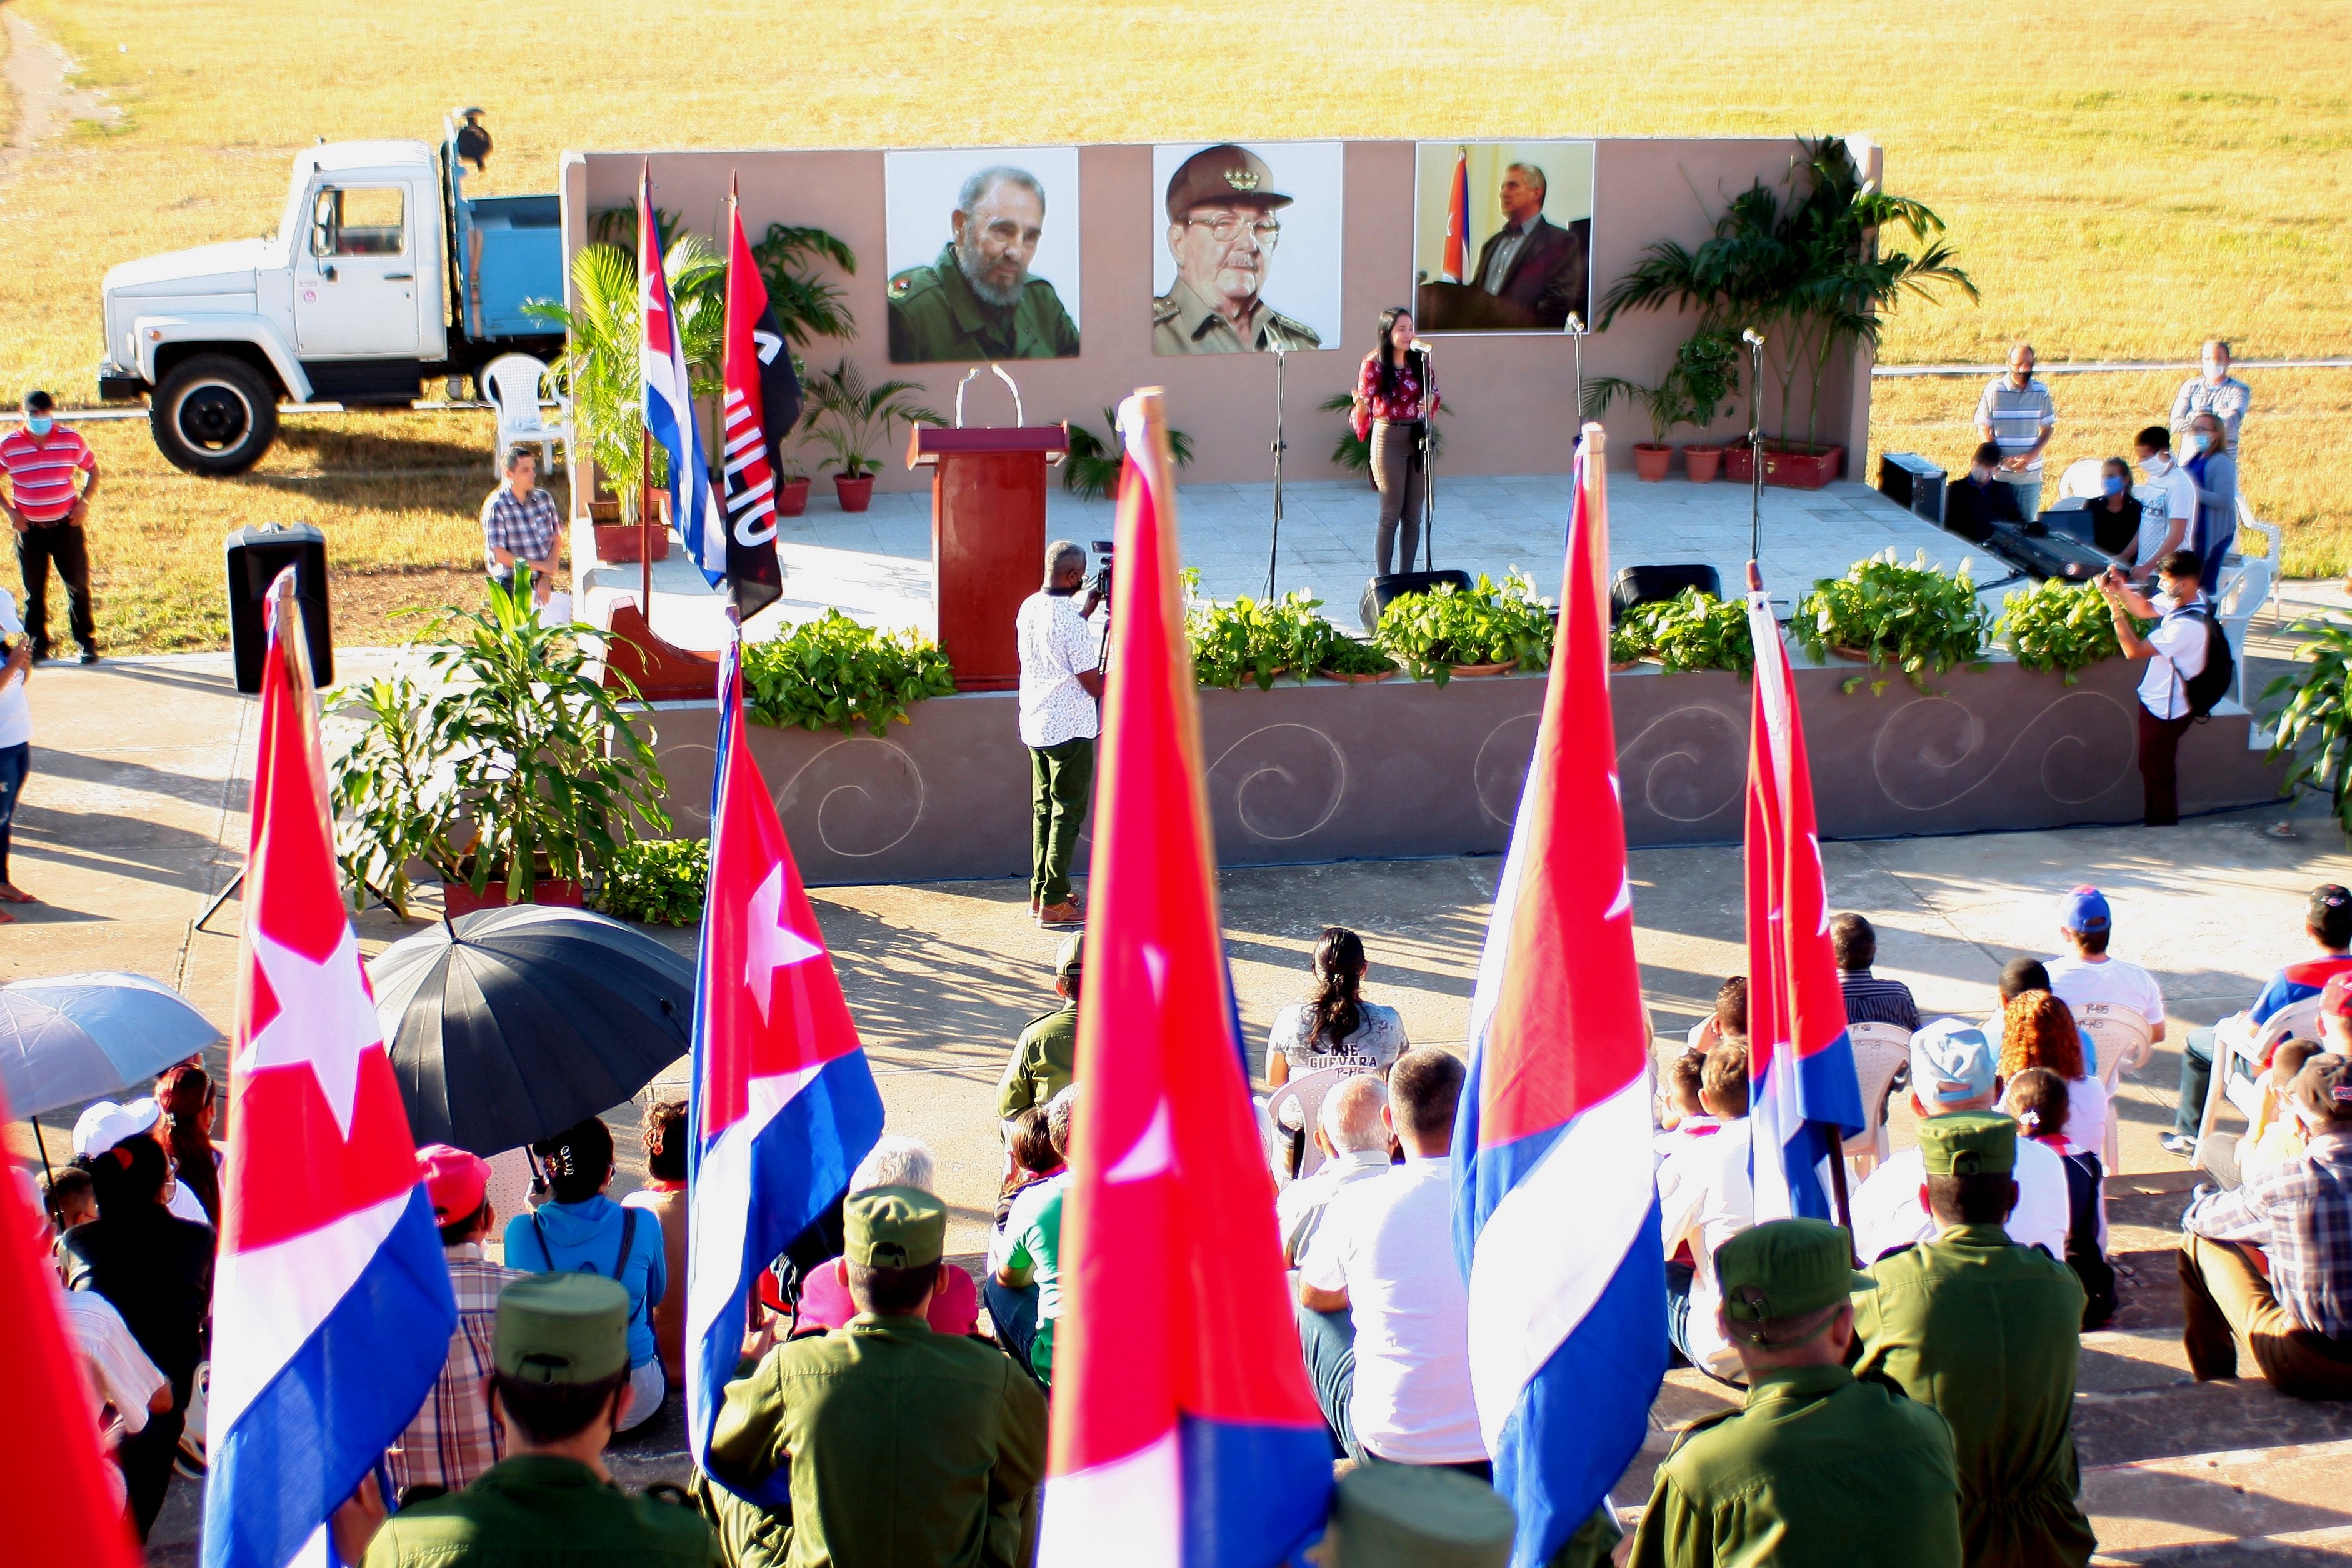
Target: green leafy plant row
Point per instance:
(1692, 630)
(1912, 619)
(2058, 626)
(832, 673)
(1429, 633)
(659, 881)
(1247, 643)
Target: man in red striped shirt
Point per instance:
(48, 510)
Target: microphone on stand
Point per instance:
(1751, 336)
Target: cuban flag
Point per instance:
(1455, 267)
(669, 402)
(1184, 1432)
(1568, 1327)
(783, 1105)
(331, 1311)
(1805, 1100)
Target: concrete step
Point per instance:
(2284, 1505)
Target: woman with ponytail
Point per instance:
(1335, 1026)
(186, 1093)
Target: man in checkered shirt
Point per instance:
(454, 1436)
(2291, 1308)
(519, 526)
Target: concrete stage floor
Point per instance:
(136, 814)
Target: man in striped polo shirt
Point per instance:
(46, 510)
(2016, 414)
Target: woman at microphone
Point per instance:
(1396, 397)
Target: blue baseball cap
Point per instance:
(1951, 1060)
(2084, 909)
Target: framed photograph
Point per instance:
(1248, 241)
(1502, 235)
(982, 248)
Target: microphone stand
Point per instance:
(1428, 472)
(1755, 443)
(1274, 548)
(1577, 332)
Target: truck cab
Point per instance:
(381, 274)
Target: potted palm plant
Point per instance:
(513, 772)
(853, 423)
(1692, 391)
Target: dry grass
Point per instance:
(2122, 179)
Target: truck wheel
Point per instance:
(214, 414)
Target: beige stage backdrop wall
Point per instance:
(1511, 396)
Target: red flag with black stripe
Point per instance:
(762, 406)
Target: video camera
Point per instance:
(1100, 582)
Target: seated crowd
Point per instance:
(872, 1419)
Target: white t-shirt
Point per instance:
(1389, 1243)
(1705, 1198)
(2085, 1131)
(15, 713)
(1378, 1041)
(2118, 982)
(121, 1372)
(1887, 1212)
(1299, 1208)
(2180, 506)
(1056, 646)
(2180, 641)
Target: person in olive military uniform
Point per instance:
(977, 302)
(896, 1446)
(1039, 1066)
(562, 1352)
(1221, 230)
(1818, 1467)
(1987, 1333)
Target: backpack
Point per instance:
(2209, 685)
(628, 1244)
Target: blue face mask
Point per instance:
(2113, 485)
(2202, 441)
(40, 424)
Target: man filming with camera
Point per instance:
(1061, 690)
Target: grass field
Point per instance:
(2122, 180)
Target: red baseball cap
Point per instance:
(2335, 997)
(454, 1180)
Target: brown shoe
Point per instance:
(1064, 914)
(1036, 903)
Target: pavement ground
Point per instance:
(135, 816)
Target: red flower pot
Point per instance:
(792, 497)
(1785, 467)
(620, 544)
(460, 898)
(1701, 464)
(1651, 463)
(855, 492)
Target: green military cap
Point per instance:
(1071, 960)
(1415, 1516)
(562, 1328)
(1785, 1269)
(1968, 1143)
(894, 1228)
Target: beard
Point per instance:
(972, 266)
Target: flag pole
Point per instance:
(1596, 502)
(1841, 1204)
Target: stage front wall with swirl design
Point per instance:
(1325, 772)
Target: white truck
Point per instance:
(382, 274)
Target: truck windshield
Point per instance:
(359, 220)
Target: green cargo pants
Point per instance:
(1062, 780)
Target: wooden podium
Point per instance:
(988, 538)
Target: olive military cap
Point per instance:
(1410, 1516)
(894, 1228)
(1785, 1269)
(1222, 176)
(1968, 1143)
(562, 1328)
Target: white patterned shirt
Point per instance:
(1057, 647)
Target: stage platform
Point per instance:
(876, 565)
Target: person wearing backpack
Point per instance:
(2190, 670)
(579, 1230)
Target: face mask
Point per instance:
(2214, 372)
(2156, 464)
(2202, 441)
(2113, 485)
(40, 424)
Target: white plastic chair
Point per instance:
(2248, 522)
(2244, 585)
(2120, 1040)
(1305, 1095)
(512, 382)
(1880, 1050)
(2081, 480)
(2238, 1043)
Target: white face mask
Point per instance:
(2156, 464)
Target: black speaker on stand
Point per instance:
(255, 558)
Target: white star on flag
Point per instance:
(324, 1019)
(771, 944)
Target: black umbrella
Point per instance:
(515, 1023)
